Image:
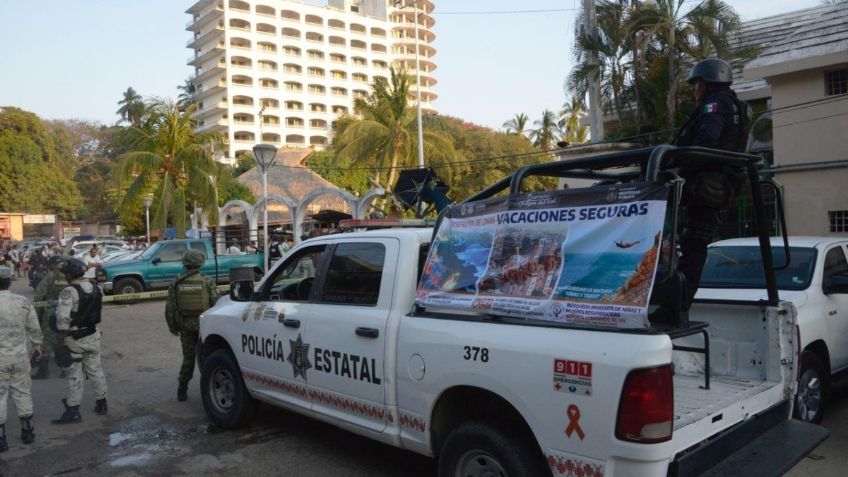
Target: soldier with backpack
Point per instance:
(190, 295)
(78, 340)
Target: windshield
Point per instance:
(742, 267)
(151, 251)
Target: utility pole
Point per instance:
(596, 112)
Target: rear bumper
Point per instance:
(766, 444)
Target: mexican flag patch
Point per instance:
(711, 108)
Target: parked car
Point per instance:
(816, 282)
(83, 247)
(158, 266)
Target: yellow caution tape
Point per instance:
(131, 296)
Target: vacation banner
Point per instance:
(585, 256)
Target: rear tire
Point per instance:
(479, 449)
(813, 384)
(126, 286)
(226, 399)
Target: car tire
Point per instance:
(225, 397)
(478, 449)
(126, 286)
(813, 383)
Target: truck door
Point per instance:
(836, 307)
(167, 264)
(273, 344)
(347, 332)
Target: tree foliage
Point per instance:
(34, 158)
(131, 107)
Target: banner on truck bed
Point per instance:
(585, 256)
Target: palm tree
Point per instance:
(132, 107)
(386, 136)
(187, 94)
(570, 114)
(545, 134)
(172, 161)
(517, 124)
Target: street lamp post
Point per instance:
(264, 155)
(148, 201)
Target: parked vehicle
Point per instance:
(158, 266)
(341, 330)
(84, 246)
(816, 282)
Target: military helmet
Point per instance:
(74, 268)
(55, 260)
(711, 70)
(194, 259)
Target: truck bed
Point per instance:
(692, 402)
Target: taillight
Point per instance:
(646, 409)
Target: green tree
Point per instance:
(570, 114)
(545, 134)
(386, 136)
(34, 160)
(131, 107)
(188, 91)
(172, 161)
(517, 125)
(342, 173)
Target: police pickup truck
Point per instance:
(516, 340)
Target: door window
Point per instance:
(354, 274)
(835, 263)
(200, 247)
(293, 281)
(172, 252)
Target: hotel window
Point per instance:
(838, 220)
(836, 82)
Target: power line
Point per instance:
(507, 12)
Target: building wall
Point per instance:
(12, 226)
(808, 134)
(305, 63)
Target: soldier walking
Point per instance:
(189, 296)
(77, 316)
(18, 324)
(48, 290)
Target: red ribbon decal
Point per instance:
(573, 414)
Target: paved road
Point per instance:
(149, 433)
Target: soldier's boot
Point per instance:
(27, 431)
(100, 407)
(182, 392)
(70, 416)
(43, 369)
(4, 446)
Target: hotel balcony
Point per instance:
(198, 23)
(216, 32)
(208, 54)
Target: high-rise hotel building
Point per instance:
(281, 71)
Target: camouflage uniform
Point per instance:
(48, 290)
(85, 351)
(18, 327)
(186, 323)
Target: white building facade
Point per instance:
(282, 71)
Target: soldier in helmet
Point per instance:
(190, 295)
(18, 330)
(48, 290)
(719, 122)
(77, 316)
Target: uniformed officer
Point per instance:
(18, 327)
(719, 122)
(190, 295)
(48, 290)
(77, 316)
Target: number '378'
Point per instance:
(476, 353)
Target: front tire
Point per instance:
(812, 388)
(127, 286)
(476, 449)
(226, 399)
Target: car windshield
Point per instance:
(742, 267)
(151, 251)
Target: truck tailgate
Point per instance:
(766, 445)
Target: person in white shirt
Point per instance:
(233, 249)
(92, 261)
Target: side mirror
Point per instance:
(835, 284)
(241, 290)
(156, 261)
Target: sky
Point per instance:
(64, 59)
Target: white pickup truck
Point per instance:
(816, 282)
(333, 331)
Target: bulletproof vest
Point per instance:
(192, 295)
(88, 308)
